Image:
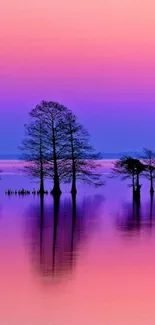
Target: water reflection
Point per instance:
(57, 230)
(136, 216)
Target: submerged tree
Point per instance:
(130, 168)
(149, 163)
(52, 115)
(34, 151)
(139, 169)
(80, 159)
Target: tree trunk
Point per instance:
(41, 164)
(151, 186)
(137, 189)
(133, 187)
(56, 187)
(73, 189)
(42, 190)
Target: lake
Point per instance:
(88, 260)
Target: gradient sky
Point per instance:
(97, 57)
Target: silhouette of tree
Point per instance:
(52, 115)
(68, 155)
(80, 158)
(34, 151)
(130, 168)
(139, 169)
(149, 163)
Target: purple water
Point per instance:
(89, 261)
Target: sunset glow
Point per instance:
(93, 56)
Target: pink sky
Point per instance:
(91, 55)
(36, 34)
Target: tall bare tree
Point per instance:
(34, 151)
(52, 115)
(149, 163)
(80, 158)
(63, 146)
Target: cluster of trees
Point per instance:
(133, 168)
(57, 146)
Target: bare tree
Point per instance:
(63, 147)
(80, 159)
(52, 115)
(34, 151)
(125, 169)
(130, 168)
(149, 163)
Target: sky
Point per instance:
(96, 57)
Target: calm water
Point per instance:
(89, 261)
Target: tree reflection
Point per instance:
(135, 216)
(56, 231)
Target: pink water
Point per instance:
(91, 262)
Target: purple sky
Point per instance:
(96, 57)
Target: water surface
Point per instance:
(84, 260)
